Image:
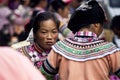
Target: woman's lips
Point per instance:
(49, 43)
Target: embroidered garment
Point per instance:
(76, 49)
(34, 53)
(75, 58)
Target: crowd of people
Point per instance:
(16, 17)
(63, 39)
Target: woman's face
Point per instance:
(44, 3)
(27, 2)
(47, 34)
(65, 12)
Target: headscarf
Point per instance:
(87, 13)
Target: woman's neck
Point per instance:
(84, 29)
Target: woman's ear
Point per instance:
(97, 25)
(96, 28)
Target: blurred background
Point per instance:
(15, 14)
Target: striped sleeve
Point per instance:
(51, 65)
(48, 70)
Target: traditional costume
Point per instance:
(36, 54)
(85, 56)
(93, 57)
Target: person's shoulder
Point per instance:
(8, 51)
(11, 61)
(111, 48)
(20, 44)
(108, 34)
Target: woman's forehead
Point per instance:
(47, 24)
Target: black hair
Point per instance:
(79, 0)
(58, 4)
(42, 17)
(34, 3)
(22, 2)
(115, 24)
(88, 13)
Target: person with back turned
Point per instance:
(84, 57)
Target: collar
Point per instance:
(39, 49)
(85, 36)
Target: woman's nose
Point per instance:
(49, 36)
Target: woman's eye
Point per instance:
(55, 31)
(43, 32)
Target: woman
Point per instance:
(115, 27)
(37, 6)
(84, 57)
(61, 9)
(45, 31)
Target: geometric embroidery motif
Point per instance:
(71, 50)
